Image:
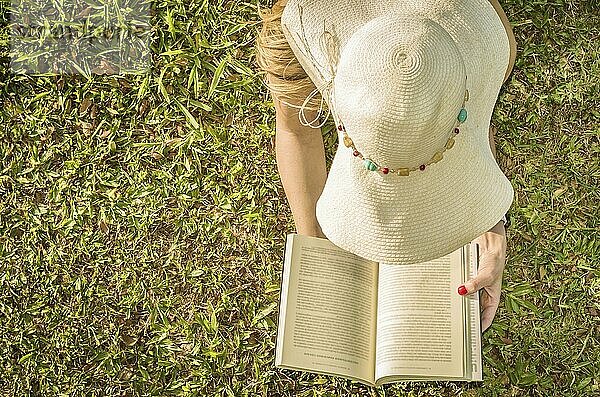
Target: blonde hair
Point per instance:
(284, 76)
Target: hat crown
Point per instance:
(398, 88)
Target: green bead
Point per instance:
(462, 115)
(370, 165)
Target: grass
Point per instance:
(142, 219)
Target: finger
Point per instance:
(487, 316)
(489, 305)
(474, 284)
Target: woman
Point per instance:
(301, 156)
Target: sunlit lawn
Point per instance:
(142, 219)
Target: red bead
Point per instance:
(456, 130)
(355, 153)
(340, 127)
(422, 167)
(462, 290)
(385, 170)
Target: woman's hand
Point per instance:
(492, 258)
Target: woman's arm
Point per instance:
(300, 155)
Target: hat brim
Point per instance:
(430, 213)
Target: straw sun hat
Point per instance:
(411, 86)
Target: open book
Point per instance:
(377, 323)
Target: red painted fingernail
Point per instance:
(462, 290)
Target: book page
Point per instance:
(327, 323)
(420, 319)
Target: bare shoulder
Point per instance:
(511, 36)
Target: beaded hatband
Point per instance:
(405, 171)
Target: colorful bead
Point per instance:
(370, 165)
(385, 170)
(462, 115)
(456, 130)
(340, 127)
(348, 141)
(437, 157)
(355, 153)
(466, 95)
(449, 143)
(403, 171)
(422, 167)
